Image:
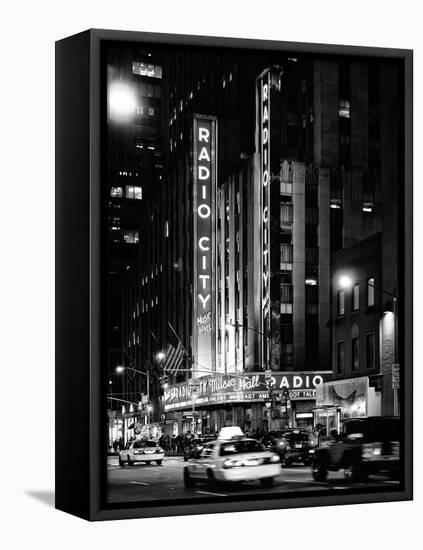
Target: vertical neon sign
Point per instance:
(204, 189)
(265, 201)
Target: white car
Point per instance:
(141, 450)
(239, 459)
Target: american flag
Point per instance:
(175, 353)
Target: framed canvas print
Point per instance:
(234, 275)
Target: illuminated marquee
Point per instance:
(251, 387)
(204, 176)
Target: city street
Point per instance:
(151, 482)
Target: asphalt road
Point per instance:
(151, 482)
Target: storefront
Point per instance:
(342, 399)
(246, 400)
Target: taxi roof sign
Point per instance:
(230, 432)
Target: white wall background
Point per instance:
(28, 31)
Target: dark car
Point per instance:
(291, 445)
(364, 447)
(196, 445)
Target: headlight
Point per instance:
(274, 458)
(159, 450)
(138, 452)
(232, 463)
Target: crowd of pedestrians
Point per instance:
(175, 444)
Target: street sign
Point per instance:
(191, 415)
(395, 376)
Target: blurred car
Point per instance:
(239, 459)
(196, 445)
(365, 446)
(141, 450)
(291, 445)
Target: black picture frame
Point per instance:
(80, 429)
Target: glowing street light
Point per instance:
(119, 369)
(121, 99)
(160, 355)
(345, 281)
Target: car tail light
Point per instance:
(159, 450)
(371, 450)
(274, 458)
(233, 463)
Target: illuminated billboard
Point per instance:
(204, 200)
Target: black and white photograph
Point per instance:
(210, 286)
(252, 221)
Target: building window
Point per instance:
(341, 302)
(286, 308)
(340, 357)
(356, 297)
(336, 203)
(354, 354)
(370, 292)
(344, 108)
(116, 192)
(131, 237)
(133, 192)
(146, 69)
(370, 351)
(151, 111)
(286, 253)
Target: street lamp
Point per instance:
(345, 281)
(121, 100)
(160, 355)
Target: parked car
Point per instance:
(365, 446)
(291, 445)
(196, 445)
(240, 459)
(141, 450)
